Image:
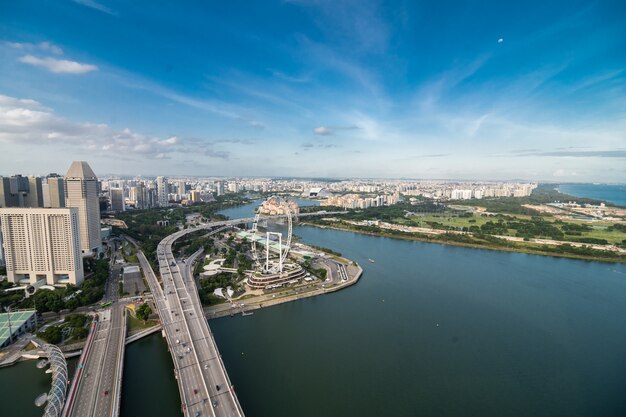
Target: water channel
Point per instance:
(430, 330)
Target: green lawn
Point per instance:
(447, 220)
(134, 324)
(455, 222)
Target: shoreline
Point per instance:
(263, 301)
(415, 237)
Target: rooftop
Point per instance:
(18, 318)
(80, 169)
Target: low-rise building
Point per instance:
(14, 324)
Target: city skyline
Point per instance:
(316, 89)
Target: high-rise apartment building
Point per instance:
(181, 187)
(81, 191)
(162, 191)
(42, 244)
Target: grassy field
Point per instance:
(134, 324)
(599, 231)
(536, 249)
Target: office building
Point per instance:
(54, 191)
(7, 198)
(19, 191)
(42, 244)
(81, 192)
(116, 196)
(34, 196)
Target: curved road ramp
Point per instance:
(204, 386)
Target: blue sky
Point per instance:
(468, 90)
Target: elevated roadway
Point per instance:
(204, 386)
(98, 387)
(203, 383)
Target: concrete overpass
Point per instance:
(203, 384)
(97, 385)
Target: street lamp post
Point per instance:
(8, 310)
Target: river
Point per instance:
(613, 193)
(429, 330)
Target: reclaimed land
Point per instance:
(483, 242)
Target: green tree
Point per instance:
(51, 335)
(143, 312)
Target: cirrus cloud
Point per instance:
(41, 46)
(58, 66)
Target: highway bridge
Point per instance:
(96, 389)
(204, 386)
(203, 383)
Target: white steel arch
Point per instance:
(283, 248)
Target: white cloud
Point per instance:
(27, 122)
(330, 130)
(42, 46)
(47, 46)
(58, 66)
(322, 131)
(95, 5)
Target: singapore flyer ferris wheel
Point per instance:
(272, 208)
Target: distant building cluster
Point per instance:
(142, 193)
(355, 201)
(277, 206)
(468, 190)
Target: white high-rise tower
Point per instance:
(162, 191)
(81, 191)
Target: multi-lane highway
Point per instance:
(203, 383)
(99, 388)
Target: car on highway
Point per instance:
(195, 391)
(106, 392)
(214, 403)
(217, 387)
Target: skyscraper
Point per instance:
(19, 191)
(34, 197)
(181, 187)
(81, 191)
(42, 244)
(116, 196)
(54, 191)
(7, 198)
(162, 191)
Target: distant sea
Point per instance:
(615, 194)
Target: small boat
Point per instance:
(247, 313)
(371, 260)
